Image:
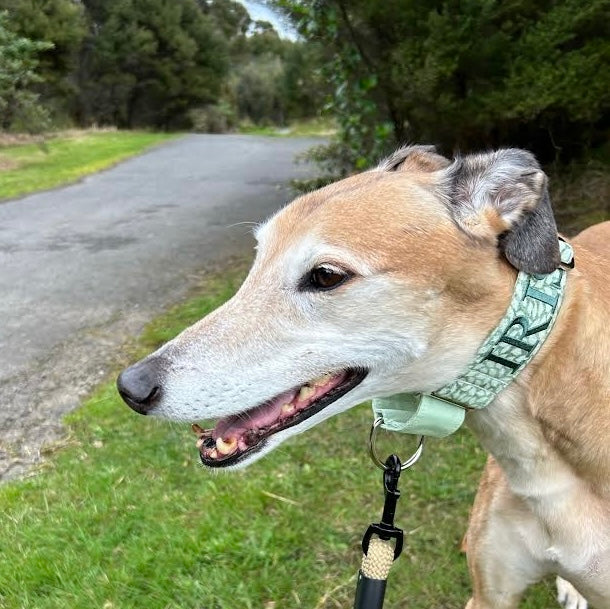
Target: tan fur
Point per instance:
(573, 371)
(421, 243)
(419, 239)
(429, 288)
(595, 239)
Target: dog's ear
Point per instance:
(414, 158)
(503, 196)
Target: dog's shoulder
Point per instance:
(596, 239)
(592, 256)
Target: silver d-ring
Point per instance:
(412, 460)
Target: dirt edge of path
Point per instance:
(58, 384)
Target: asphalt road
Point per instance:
(84, 267)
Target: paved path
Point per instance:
(85, 266)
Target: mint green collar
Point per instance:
(504, 353)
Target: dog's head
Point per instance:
(385, 282)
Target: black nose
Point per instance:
(139, 386)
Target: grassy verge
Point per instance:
(319, 127)
(26, 168)
(124, 517)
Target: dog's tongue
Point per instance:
(260, 417)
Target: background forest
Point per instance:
(462, 75)
(178, 64)
(465, 75)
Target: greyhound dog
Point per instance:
(388, 282)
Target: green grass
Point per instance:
(124, 517)
(26, 168)
(318, 127)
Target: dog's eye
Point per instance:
(325, 278)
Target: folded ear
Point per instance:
(502, 196)
(414, 158)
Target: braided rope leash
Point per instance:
(373, 575)
(377, 563)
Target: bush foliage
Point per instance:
(19, 70)
(465, 75)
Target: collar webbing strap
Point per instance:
(504, 353)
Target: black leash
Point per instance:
(378, 559)
(379, 551)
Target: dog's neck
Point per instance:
(508, 429)
(548, 429)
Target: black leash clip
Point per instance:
(385, 529)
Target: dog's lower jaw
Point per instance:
(237, 438)
(262, 450)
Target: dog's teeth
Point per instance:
(322, 380)
(306, 392)
(213, 454)
(200, 443)
(288, 408)
(226, 447)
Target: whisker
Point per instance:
(246, 223)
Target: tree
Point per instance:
(61, 22)
(464, 74)
(19, 105)
(258, 96)
(303, 89)
(232, 18)
(150, 61)
(160, 63)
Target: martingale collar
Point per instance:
(504, 353)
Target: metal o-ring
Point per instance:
(412, 460)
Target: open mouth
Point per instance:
(237, 436)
